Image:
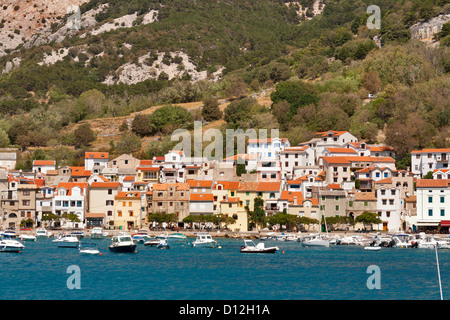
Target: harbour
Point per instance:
(184, 272)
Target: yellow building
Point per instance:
(147, 174)
(227, 203)
(127, 210)
(232, 207)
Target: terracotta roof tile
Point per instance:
(432, 183)
(201, 197)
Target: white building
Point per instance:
(361, 148)
(95, 161)
(294, 157)
(389, 208)
(433, 203)
(43, 166)
(201, 204)
(70, 197)
(337, 139)
(267, 149)
(441, 174)
(426, 160)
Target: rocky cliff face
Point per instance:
(425, 31)
(21, 20)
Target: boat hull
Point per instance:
(68, 244)
(316, 243)
(10, 249)
(89, 252)
(11, 246)
(123, 249)
(152, 243)
(204, 244)
(268, 250)
(369, 248)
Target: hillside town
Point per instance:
(329, 176)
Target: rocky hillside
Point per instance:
(129, 57)
(23, 20)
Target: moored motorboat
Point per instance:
(250, 247)
(163, 244)
(88, 249)
(140, 238)
(8, 244)
(316, 241)
(27, 237)
(98, 233)
(372, 248)
(67, 241)
(42, 233)
(122, 244)
(205, 240)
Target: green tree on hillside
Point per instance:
(210, 110)
(296, 93)
(84, 135)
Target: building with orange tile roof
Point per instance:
(426, 160)
(201, 204)
(170, 198)
(267, 149)
(327, 139)
(433, 204)
(43, 166)
(441, 174)
(100, 209)
(127, 211)
(70, 198)
(96, 161)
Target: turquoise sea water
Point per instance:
(187, 273)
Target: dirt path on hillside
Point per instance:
(107, 129)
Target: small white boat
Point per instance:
(9, 234)
(163, 244)
(205, 240)
(78, 234)
(315, 241)
(27, 237)
(372, 248)
(152, 242)
(177, 236)
(250, 247)
(42, 233)
(98, 233)
(88, 249)
(140, 238)
(402, 241)
(67, 241)
(10, 245)
(281, 237)
(429, 242)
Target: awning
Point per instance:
(445, 223)
(427, 223)
(94, 215)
